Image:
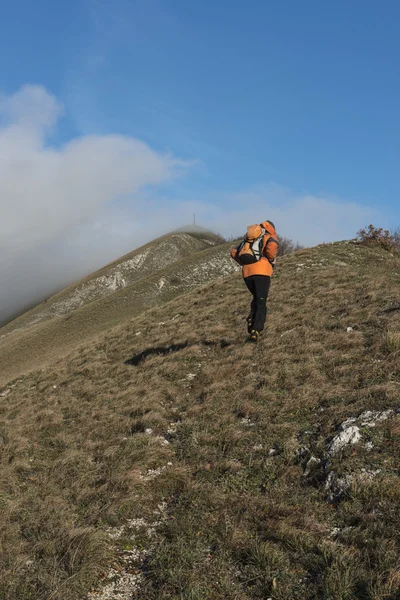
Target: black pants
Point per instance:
(259, 287)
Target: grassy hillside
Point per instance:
(147, 277)
(168, 459)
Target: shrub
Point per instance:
(286, 246)
(396, 237)
(377, 236)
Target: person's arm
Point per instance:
(234, 253)
(271, 249)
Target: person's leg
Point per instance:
(261, 285)
(249, 281)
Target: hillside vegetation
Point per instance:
(169, 459)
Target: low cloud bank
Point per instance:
(67, 210)
(55, 201)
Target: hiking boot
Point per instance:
(249, 325)
(254, 335)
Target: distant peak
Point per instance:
(191, 229)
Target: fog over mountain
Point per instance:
(57, 222)
(68, 209)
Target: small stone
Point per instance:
(335, 531)
(272, 452)
(172, 428)
(302, 451)
(247, 421)
(312, 464)
(346, 424)
(148, 431)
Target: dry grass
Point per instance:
(242, 522)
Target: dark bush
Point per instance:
(396, 237)
(377, 236)
(286, 246)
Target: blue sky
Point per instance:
(304, 94)
(120, 119)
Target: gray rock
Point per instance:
(370, 418)
(302, 451)
(366, 475)
(349, 435)
(348, 423)
(336, 487)
(349, 431)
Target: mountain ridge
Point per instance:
(199, 241)
(160, 269)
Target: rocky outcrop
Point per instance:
(350, 432)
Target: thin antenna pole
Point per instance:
(194, 219)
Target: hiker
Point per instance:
(256, 255)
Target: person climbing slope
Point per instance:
(256, 255)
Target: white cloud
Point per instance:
(45, 190)
(48, 193)
(309, 219)
(305, 218)
(32, 108)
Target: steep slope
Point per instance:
(146, 260)
(147, 277)
(170, 459)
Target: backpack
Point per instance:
(250, 249)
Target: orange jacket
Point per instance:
(269, 251)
